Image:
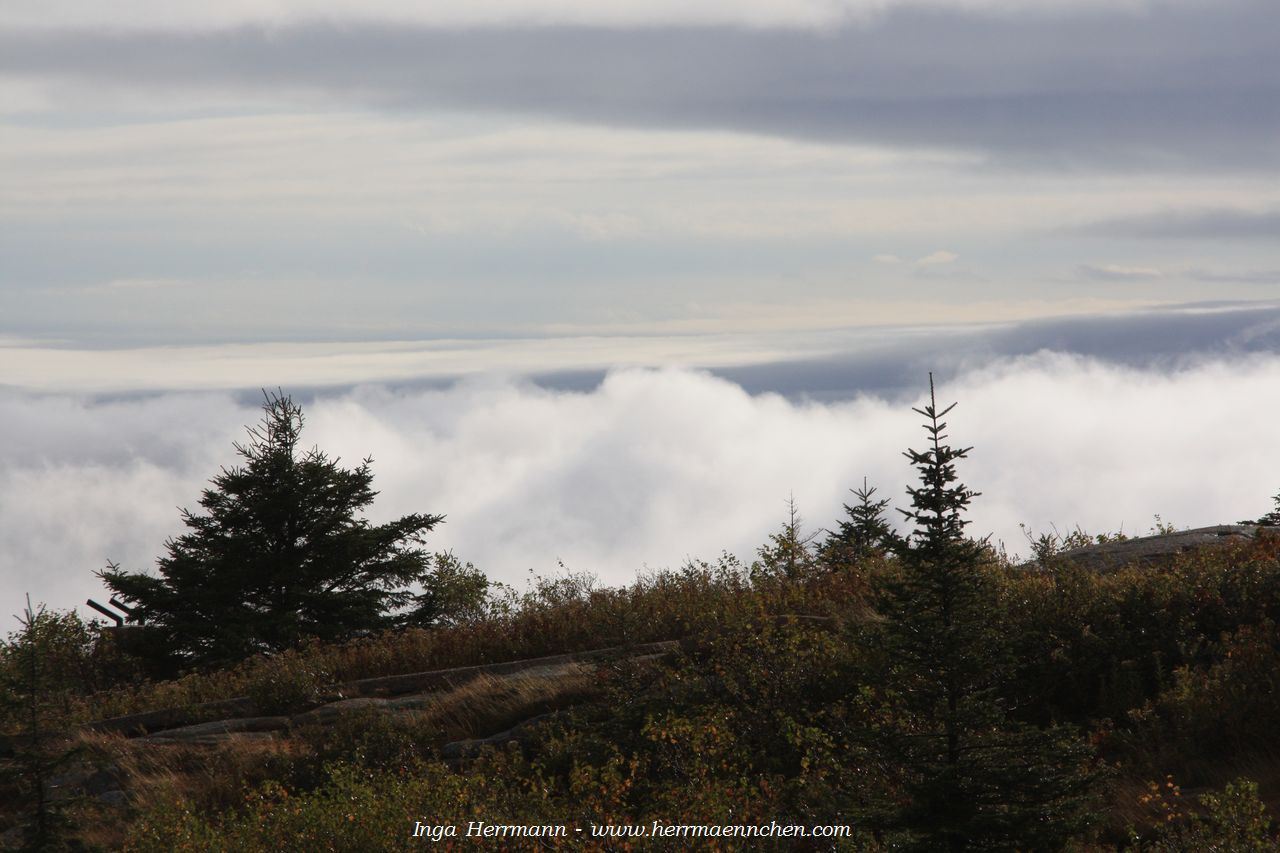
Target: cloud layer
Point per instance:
(392, 171)
(650, 467)
(1180, 86)
(159, 14)
(318, 193)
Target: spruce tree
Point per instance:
(864, 532)
(33, 710)
(278, 555)
(972, 778)
(790, 551)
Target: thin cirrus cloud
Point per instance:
(648, 468)
(1212, 224)
(158, 14)
(933, 259)
(1122, 273)
(1117, 272)
(1180, 87)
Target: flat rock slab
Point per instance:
(170, 718)
(1159, 549)
(440, 679)
(220, 730)
(459, 750)
(414, 701)
(328, 713)
(418, 684)
(266, 727)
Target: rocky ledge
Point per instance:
(1161, 548)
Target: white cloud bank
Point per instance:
(650, 468)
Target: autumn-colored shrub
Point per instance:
(1171, 669)
(556, 615)
(1233, 820)
(1091, 645)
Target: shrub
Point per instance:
(1233, 821)
(289, 681)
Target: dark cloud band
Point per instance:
(1178, 88)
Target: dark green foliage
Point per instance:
(970, 777)
(80, 658)
(863, 533)
(32, 693)
(1229, 708)
(454, 593)
(1270, 519)
(278, 555)
(287, 682)
(754, 726)
(1092, 646)
(789, 553)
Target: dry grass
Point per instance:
(557, 616)
(216, 778)
(487, 705)
(150, 772)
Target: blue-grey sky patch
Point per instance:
(1240, 277)
(1174, 338)
(1192, 225)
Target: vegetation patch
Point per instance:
(921, 690)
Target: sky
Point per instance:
(606, 282)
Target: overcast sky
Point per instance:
(369, 202)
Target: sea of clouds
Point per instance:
(648, 469)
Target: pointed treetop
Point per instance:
(937, 505)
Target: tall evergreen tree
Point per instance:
(973, 778)
(279, 554)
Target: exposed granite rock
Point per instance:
(1159, 549)
(460, 750)
(326, 714)
(103, 780)
(419, 682)
(113, 798)
(84, 779)
(234, 719)
(169, 718)
(220, 730)
(400, 693)
(414, 701)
